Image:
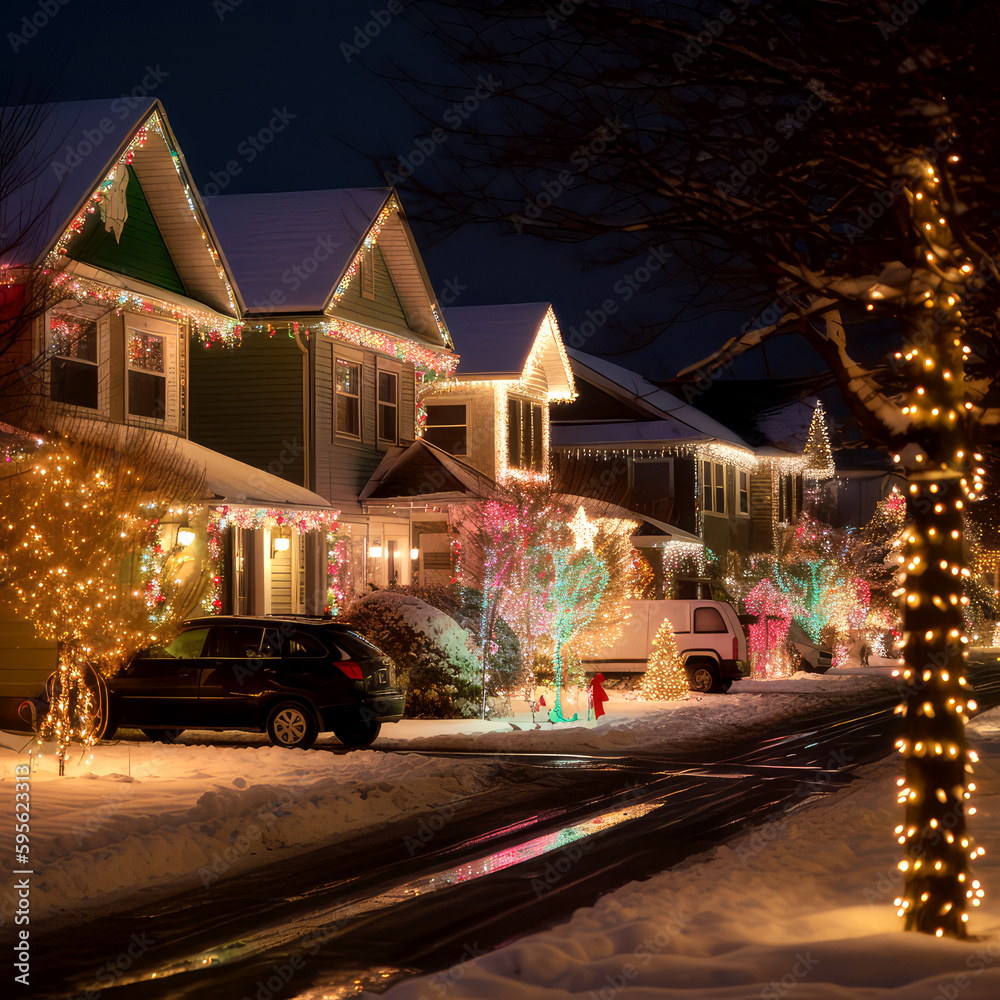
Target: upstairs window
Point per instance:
(348, 398)
(388, 407)
(74, 368)
(713, 487)
(447, 427)
(524, 435)
(147, 378)
(744, 492)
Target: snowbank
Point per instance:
(800, 907)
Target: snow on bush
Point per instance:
(435, 656)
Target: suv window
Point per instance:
(709, 620)
(236, 641)
(271, 646)
(299, 644)
(186, 645)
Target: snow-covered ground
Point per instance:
(142, 820)
(798, 907)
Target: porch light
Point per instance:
(185, 536)
(282, 543)
(414, 553)
(375, 551)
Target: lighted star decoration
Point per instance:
(584, 531)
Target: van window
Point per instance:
(709, 620)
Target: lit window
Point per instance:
(147, 380)
(524, 435)
(744, 492)
(73, 370)
(348, 398)
(387, 407)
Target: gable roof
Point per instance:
(66, 152)
(405, 473)
(667, 417)
(268, 237)
(294, 252)
(505, 341)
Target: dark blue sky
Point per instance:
(223, 67)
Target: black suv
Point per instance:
(291, 678)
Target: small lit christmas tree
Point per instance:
(665, 678)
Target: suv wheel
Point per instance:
(291, 725)
(702, 678)
(353, 731)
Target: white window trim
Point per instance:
(725, 497)
(171, 336)
(351, 358)
(390, 369)
(741, 513)
(103, 366)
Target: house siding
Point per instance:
(385, 308)
(248, 403)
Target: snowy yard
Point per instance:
(799, 906)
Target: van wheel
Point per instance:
(291, 725)
(702, 678)
(161, 735)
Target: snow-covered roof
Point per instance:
(495, 340)
(669, 418)
(403, 474)
(59, 152)
(235, 482)
(296, 243)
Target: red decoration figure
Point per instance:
(598, 695)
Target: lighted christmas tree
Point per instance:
(665, 678)
(77, 520)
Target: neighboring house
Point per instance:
(488, 424)
(105, 207)
(674, 464)
(342, 335)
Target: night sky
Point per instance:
(223, 68)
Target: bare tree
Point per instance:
(827, 164)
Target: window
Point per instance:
(303, 645)
(744, 492)
(348, 398)
(447, 427)
(387, 407)
(147, 379)
(713, 487)
(236, 642)
(524, 435)
(74, 367)
(709, 620)
(367, 274)
(185, 646)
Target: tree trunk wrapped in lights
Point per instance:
(943, 476)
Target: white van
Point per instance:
(709, 638)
